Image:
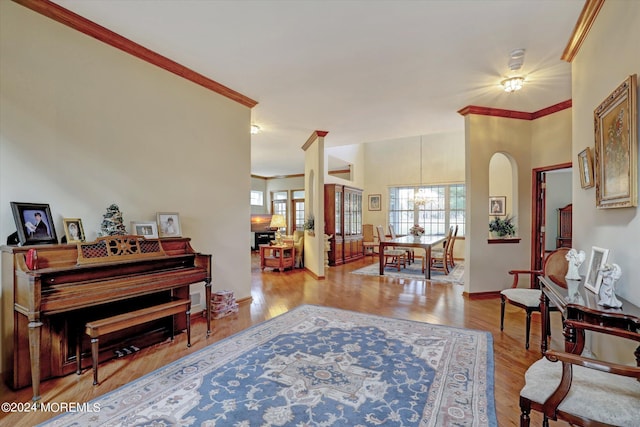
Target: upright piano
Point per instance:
(50, 292)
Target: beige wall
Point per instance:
(607, 57)
(85, 125)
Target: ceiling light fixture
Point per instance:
(255, 129)
(512, 84)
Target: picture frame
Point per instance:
(598, 259)
(169, 224)
(146, 229)
(498, 205)
(585, 164)
(375, 202)
(616, 152)
(34, 223)
(73, 230)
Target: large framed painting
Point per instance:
(34, 223)
(616, 154)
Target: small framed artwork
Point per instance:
(73, 230)
(498, 205)
(616, 154)
(34, 223)
(597, 260)
(375, 202)
(585, 163)
(169, 224)
(147, 229)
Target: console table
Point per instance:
(277, 256)
(575, 302)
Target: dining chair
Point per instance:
(409, 250)
(369, 243)
(439, 261)
(529, 298)
(392, 256)
(450, 261)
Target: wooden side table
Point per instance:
(277, 256)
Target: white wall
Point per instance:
(607, 57)
(85, 125)
(558, 195)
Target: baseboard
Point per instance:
(481, 295)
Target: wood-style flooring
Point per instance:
(274, 293)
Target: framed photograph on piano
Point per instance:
(169, 224)
(34, 223)
(147, 229)
(73, 230)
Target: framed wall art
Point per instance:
(73, 230)
(497, 205)
(616, 153)
(585, 164)
(169, 224)
(34, 223)
(147, 229)
(375, 202)
(598, 259)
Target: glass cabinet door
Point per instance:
(338, 212)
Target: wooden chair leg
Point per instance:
(502, 312)
(528, 328)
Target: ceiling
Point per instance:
(364, 70)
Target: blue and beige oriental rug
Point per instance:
(414, 272)
(315, 366)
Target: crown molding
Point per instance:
(510, 114)
(585, 21)
(90, 28)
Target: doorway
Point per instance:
(539, 212)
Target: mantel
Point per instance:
(504, 240)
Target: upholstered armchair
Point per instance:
(298, 244)
(583, 391)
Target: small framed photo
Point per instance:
(147, 229)
(34, 223)
(375, 202)
(585, 163)
(73, 230)
(498, 205)
(597, 260)
(169, 224)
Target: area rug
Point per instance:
(315, 366)
(414, 272)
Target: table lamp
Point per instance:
(278, 222)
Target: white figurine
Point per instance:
(610, 275)
(575, 259)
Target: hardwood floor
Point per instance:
(275, 293)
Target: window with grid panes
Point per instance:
(298, 209)
(445, 207)
(279, 204)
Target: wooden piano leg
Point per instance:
(189, 327)
(34, 355)
(94, 359)
(79, 351)
(207, 293)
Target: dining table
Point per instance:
(425, 242)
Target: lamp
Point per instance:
(255, 129)
(278, 222)
(512, 84)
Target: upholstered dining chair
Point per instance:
(440, 257)
(369, 243)
(529, 298)
(392, 256)
(582, 390)
(409, 250)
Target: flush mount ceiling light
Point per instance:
(512, 84)
(255, 129)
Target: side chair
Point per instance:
(369, 243)
(392, 256)
(529, 298)
(584, 391)
(410, 251)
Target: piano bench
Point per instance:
(107, 325)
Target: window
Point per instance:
(298, 209)
(257, 198)
(279, 204)
(440, 207)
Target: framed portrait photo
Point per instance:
(498, 205)
(34, 223)
(169, 224)
(598, 259)
(375, 202)
(147, 229)
(73, 230)
(585, 164)
(616, 154)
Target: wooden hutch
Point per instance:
(343, 220)
(564, 227)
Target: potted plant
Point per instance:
(309, 225)
(502, 227)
